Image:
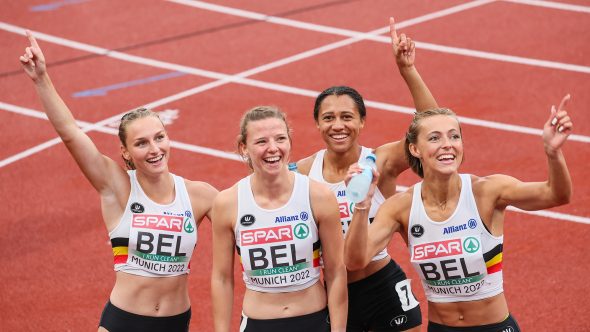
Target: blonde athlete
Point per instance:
(151, 215)
(453, 223)
(278, 222)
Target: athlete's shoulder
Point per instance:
(319, 190)
(491, 183)
(303, 166)
(227, 196)
(200, 189)
(403, 198)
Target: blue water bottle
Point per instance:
(358, 186)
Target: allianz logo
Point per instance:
(472, 223)
(281, 219)
(508, 329)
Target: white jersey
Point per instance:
(280, 248)
(457, 259)
(154, 240)
(339, 189)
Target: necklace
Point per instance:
(442, 205)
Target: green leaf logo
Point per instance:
(301, 231)
(188, 227)
(471, 245)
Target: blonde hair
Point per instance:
(126, 119)
(414, 130)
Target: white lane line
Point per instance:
(214, 153)
(100, 127)
(323, 28)
(553, 5)
(503, 57)
(385, 39)
(225, 78)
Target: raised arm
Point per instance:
(222, 274)
(557, 190)
(325, 211)
(391, 158)
(101, 171)
(404, 50)
(363, 242)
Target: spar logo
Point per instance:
(344, 211)
(162, 223)
(471, 245)
(301, 231)
(438, 249)
(188, 226)
(266, 235)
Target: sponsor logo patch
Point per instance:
(437, 249)
(471, 245)
(266, 235)
(163, 223)
(281, 219)
(137, 208)
(417, 230)
(398, 320)
(247, 220)
(188, 226)
(301, 231)
(344, 211)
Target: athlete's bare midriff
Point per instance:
(149, 296)
(469, 313)
(260, 305)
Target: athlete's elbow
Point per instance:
(354, 263)
(563, 197)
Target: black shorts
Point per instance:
(508, 325)
(383, 301)
(317, 321)
(117, 320)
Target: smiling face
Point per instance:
(439, 145)
(267, 145)
(339, 122)
(147, 145)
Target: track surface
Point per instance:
(498, 64)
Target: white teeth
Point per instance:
(341, 136)
(155, 159)
(445, 157)
(272, 159)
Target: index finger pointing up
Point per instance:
(32, 39)
(564, 101)
(392, 29)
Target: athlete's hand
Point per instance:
(557, 128)
(403, 47)
(355, 169)
(33, 61)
